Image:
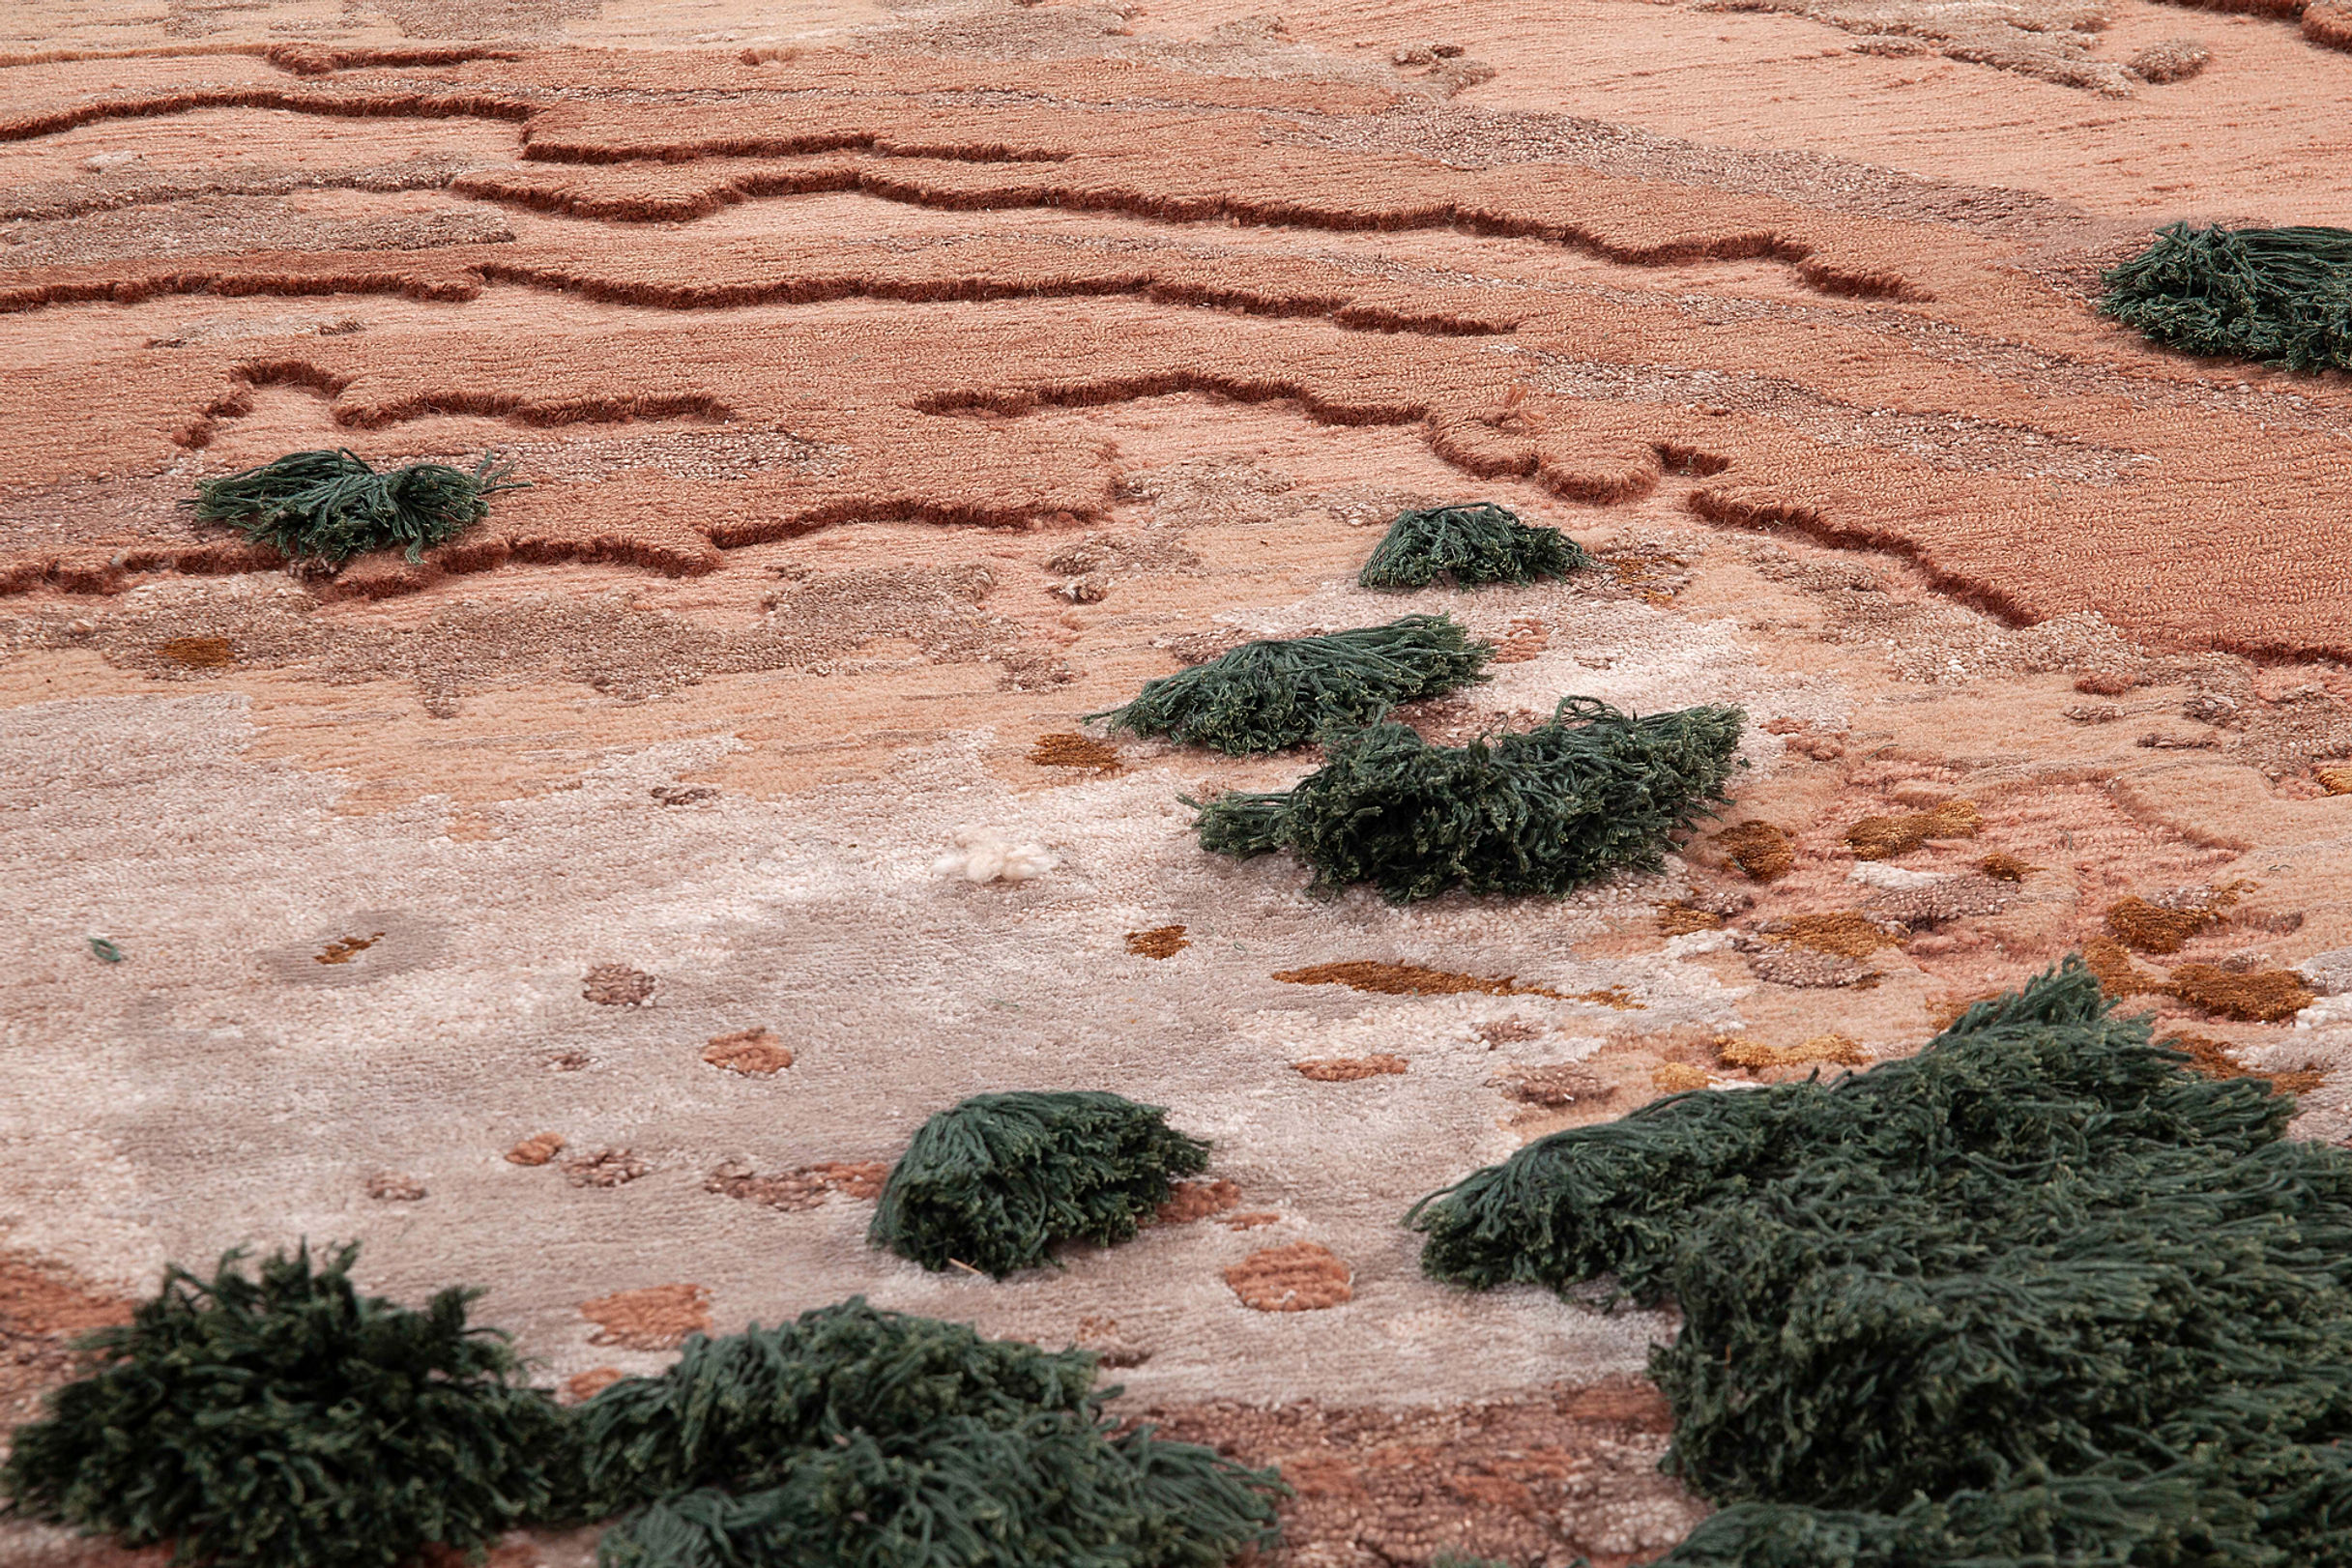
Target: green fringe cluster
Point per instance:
(856, 1436)
(996, 1181)
(2280, 296)
(1477, 543)
(1588, 792)
(2035, 1296)
(1266, 696)
(331, 506)
(286, 1421)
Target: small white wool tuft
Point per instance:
(1691, 944)
(981, 856)
(1876, 874)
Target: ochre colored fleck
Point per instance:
(1347, 1069)
(753, 1052)
(658, 1318)
(1160, 942)
(343, 950)
(1191, 1200)
(536, 1150)
(199, 652)
(1551, 1088)
(1679, 920)
(616, 985)
(1758, 849)
(2265, 997)
(1882, 838)
(1526, 639)
(587, 1385)
(606, 1168)
(806, 1188)
(2262, 997)
(1074, 751)
(1409, 980)
(851, 1178)
(2118, 976)
(1846, 933)
(391, 1187)
(1830, 1048)
(2151, 928)
(1301, 1277)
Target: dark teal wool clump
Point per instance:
(996, 1182)
(861, 1439)
(1477, 543)
(331, 506)
(738, 1410)
(1586, 793)
(283, 1420)
(1265, 696)
(288, 1422)
(2280, 296)
(2036, 1297)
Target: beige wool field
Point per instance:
(591, 909)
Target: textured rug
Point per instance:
(588, 909)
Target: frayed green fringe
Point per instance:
(2280, 296)
(1050, 1491)
(1478, 542)
(283, 1420)
(2037, 1295)
(286, 1422)
(738, 1411)
(1589, 791)
(996, 1182)
(331, 506)
(870, 1439)
(1265, 696)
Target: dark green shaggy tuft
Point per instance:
(286, 1421)
(861, 1439)
(1478, 542)
(738, 1412)
(1586, 793)
(2280, 296)
(1265, 696)
(996, 1181)
(2036, 1297)
(331, 506)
